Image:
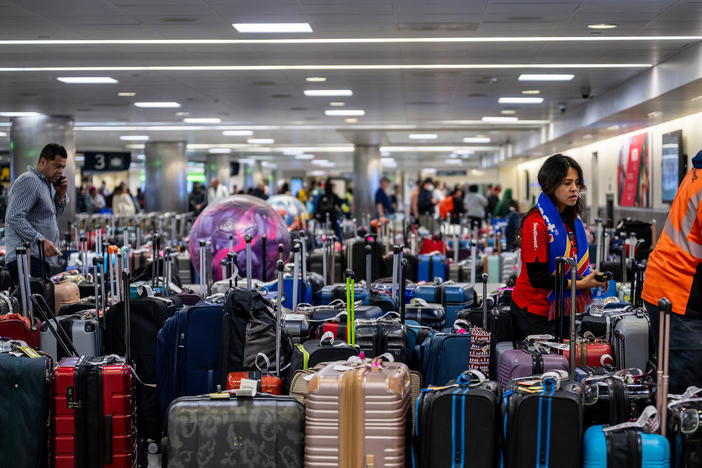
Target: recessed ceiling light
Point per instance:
(476, 140)
(134, 146)
(304, 156)
(134, 137)
(423, 136)
(317, 173)
(320, 162)
(220, 150)
(126, 94)
(499, 119)
(351, 120)
(602, 26)
(237, 133)
(531, 91)
(457, 162)
(337, 104)
(520, 100)
(3, 134)
(269, 164)
(508, 112)
(272, 27)
(182, 114)
(87, 79)
(546, 77)
(316, 79)
(385, 153)
(157, 104)
(654, 115)
(20, 114)
(328, 92)
(140, 157)
(247, 161)
(202, 120)
(260, 141)
(429, 170)
(343, 112)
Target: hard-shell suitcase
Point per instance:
(376, 337)
(430, 267)
(543, 423)
(313, 351)
(613, 400)
(24, 406)
(65, 292)
(426, 314)
(453, 296)
(358, 417)
(84, 331)
(24, 326)
(458, 425)
(216, 430)
(622, 448)
(592, 353)
(93, 415)
(516, 363)
(685, 431)
(266, 383)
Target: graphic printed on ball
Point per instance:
(240, 215)
(289, 208)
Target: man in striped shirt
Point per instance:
(37, 198)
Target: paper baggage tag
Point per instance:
(29, 351)
(247, 388)
(294, 317)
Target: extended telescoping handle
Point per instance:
(403, 288)
(598, 237)
(167, 271)
(395, 271)
(154, 259)
(233, 271)
(247, 239)
(279, 315)
(42, 259)
(303, 246)
(24, 281)
(350, 307)
(296, 274)
(573, 337)
(332, 260)
(263, 257)
(127, 314)
(47, 316)
(473, 260)
(97, 269)
(203, 269)
(485, 307)
(369, 263)
(665, 308)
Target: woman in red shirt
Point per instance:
(552, 229)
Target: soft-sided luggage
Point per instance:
(444, 356)
(377, 337)
(357, 416)
(425, 314)
(624, 448)
(430, 267)
(543, 423)
(458, 425)
(216, 430)
(313, 351)
(615, 399)
(24, 405)
(93, 414)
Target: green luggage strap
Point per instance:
(305, 356)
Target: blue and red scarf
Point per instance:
(561, 246)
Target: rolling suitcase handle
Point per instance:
(167, 271)
(24, 281)
(350, 306)
(369, 259)
(573, 336)
(278, 316)
(598, 237)
(473, 260)
(247, 239)
(665, 308)
(59, 333)
(233, 270)
(325, 253)
(42, 259)
(296, 275)
(485, 308)
(97, 266)
(263, 257)
(127, 315)
(203, 270)
(332, 240)
(154, 259)
(395, 272)
(303, 258)
(403, 288)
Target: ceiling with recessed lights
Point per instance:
(178, 69)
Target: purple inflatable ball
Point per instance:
(240, 215)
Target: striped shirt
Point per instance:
(32, 212)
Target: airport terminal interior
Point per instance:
(358, 233)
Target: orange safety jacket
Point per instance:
(674, 267)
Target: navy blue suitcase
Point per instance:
(444, 356)
(188, 352)
(332, 292)
(428, 315)
(430, 267)
(455, 297)
(623, 448)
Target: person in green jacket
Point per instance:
(502, 208)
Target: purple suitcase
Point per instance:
(516, 363)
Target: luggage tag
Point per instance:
(28, 351)
(247, 388)
(649, 421)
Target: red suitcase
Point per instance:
(93, 415)
(594, 353)
(266, 383)
(339, 330)
(18, 327)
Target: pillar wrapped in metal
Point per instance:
(28, 135)
(367, 170)
(217, 166)
(166, 166)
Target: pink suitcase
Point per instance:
(357, 415)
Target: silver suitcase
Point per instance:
(83, 330)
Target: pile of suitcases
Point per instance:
(332, 364)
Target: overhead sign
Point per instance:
(104, 162)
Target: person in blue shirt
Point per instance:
(383, 205)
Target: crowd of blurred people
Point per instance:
(92, 200)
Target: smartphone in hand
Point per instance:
(59, 182)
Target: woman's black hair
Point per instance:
(551, 175)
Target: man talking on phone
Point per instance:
(36, 199)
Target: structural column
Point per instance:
(367, 170)
(217, 167)
(28, 135)
(166, 167)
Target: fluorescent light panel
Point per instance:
(260, 141)
(87, 80)
(202, 120)
(126, 94)
(20, 114)
(432, 66)
(272, 27)
(316, 79)
(351, 120)
(157, 104)
(520, 100)
(602, 26)
(476, 140)
(423, 136)
(237, 133)
(531, 91)
(134, 137)
(220, 150)
(546, 77)
(328, 92)
(304, 156)
(337, 104)
(499, 119)
(344, 112)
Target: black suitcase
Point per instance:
(316, 265)
(411, 265)
(356, 257)
(216, 430)
(544, 423)
(426, 314)
(458, 425)
(610, 400)
(500, 326)
(376, 337)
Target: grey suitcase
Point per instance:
(631, 340)
(83, 330)
(264, 431)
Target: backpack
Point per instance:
(325, 205)
(424, 203)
